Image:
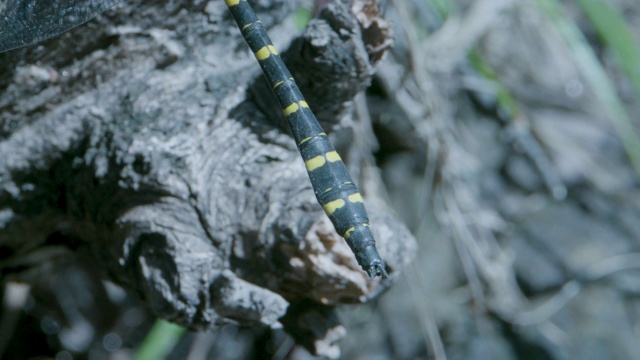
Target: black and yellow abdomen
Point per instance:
(335, 190)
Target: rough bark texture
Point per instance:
(143, 140)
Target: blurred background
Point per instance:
(508, 143)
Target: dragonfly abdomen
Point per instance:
(335, 190)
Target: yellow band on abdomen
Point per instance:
(331, 207)
(291, 109)
(333, 156)
(354, 198)
(314, 163)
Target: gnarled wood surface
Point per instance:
(146, 141)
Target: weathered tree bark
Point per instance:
(147, 137)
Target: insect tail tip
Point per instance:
(377, 270)
(380, 269)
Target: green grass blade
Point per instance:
(615, 33)
(160, 341)
(597, 78)
(506, 100)
(302, 16)
(443, 7)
